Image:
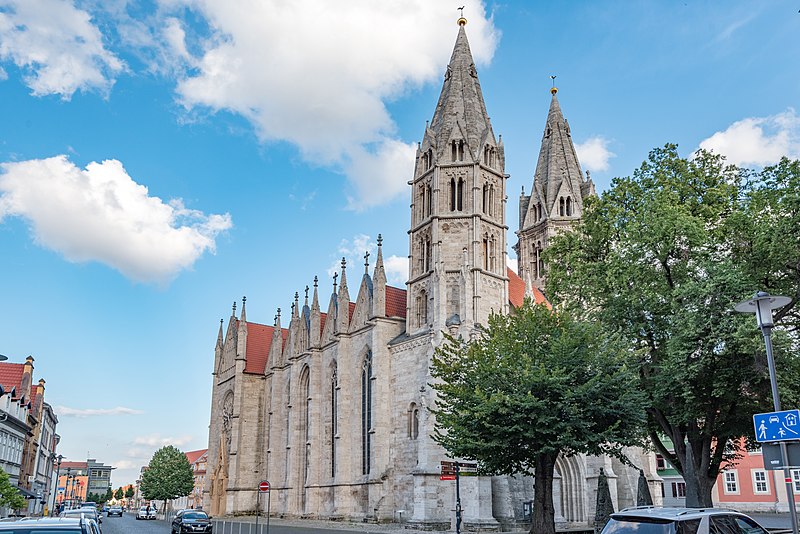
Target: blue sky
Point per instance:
(159, 160)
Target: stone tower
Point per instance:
(556, 201)
(457, 271)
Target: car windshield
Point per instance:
(640, 525)
(195, 515)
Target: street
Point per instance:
(127, 524)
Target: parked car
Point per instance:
(146, 512)
(191, 521)
(114, 510)
(91, 513)
(52, 525)
(666, 520)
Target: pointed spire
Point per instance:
(315, 299)
(233, 313)
(379, 259)
(343, 286)
(461, 111)
(306, 301)
(278, 319)
(219, 334)
(366, 262)
(243, 316)
(335, 277)
(296, 305)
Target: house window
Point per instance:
(660, 463)
(366, 414)
(760, 483)
(678, 490)
(731, 482)
(796, 480)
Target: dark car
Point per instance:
(52, 525)
(191, 521)
(114, 510)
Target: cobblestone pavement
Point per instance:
(127, 524)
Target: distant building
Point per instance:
(99, 477)
(197, 460)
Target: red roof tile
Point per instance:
(516, 291)
(193, 456)
(322, 318)
(395, 302)
(350, 311)
(73, 465)
(11, 375)
(259, 340)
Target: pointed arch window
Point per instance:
(422, 309)
(539, 210)
(486, 198)
(334, 417)
(413, 421)
(461, 150)
(540, 270)
(561, 206)
(428, 200)
(490, 211)
(305, 392)
(569, 206)
(430, 158)
(453, 150)
(288, 431)
(366, 414)
(485, 253)
(460, 194)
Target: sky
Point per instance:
(161, 159)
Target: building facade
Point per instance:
(334, 410)
(99, 477)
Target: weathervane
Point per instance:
(462, 11)
(552, 77)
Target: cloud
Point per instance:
(396, 271)
(282, 66)
(512, 263)
(126, 464)
(594, 153)
(155, 440)
(65, 411)
(57, 47)
(101, 214)
(758, 141)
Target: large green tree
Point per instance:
(119, 494)
(661, 258)
(10, 496)
(534, 385)
(168, 475)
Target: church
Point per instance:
(333, 409)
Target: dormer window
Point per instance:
(569, 206)
(561, 206)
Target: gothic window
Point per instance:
(539, 210)
(485, 198)
(429, 200)
(490, 211)
(366, 414)
(459, 200)
(461, 151)
(288, 431)
(486, 155)
(453, 151)
(492, 254)
(561, 206)
(493, 157)
(305, 393)
(452, 194)
(422, 309)
(413, 421)
(430, 158)
(426, 254)
(334, 417)
(486, 253)
(540, 273)
(569, 206)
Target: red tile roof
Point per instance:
(73, 465)
(395, 302)
(352, 308)
(193, 456)
(516, 291)
(11, 375)
(259, 340)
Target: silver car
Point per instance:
(666, 520)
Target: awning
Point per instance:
(27, 493)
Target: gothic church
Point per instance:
(333, 409)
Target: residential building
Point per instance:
(197, 461)
(334, 409)
(99, 477)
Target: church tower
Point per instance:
(556, 201)
(457, 271)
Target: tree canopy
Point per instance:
(534, 385)
(168, 475)
(10, 496)
(661, 258)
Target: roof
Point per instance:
(516, 291)
(74, 465)
(395, 302)
(11, 375)
(259, 340)
(193, 456)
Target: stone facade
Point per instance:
(334, 409)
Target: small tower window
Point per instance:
(485, 198)
(486, 253)
(561, 206)
(460, 195)
(569, 206)
(334, 417)
(422, 309)
(453, 151)
(430, 158)
(461, 151)
(413, 421)
(539, 210)
(540, 273)
(491, 201)
(429, 204)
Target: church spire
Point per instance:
(243, 316)
(220, 339)
(461, 111)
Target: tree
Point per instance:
(119, 494)
(129, 492)
(661, 259)
(107, 497)
(10, 496)
(535, 384)
(169, 476)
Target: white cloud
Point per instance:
(594, 153)
(3, 74)
(353, 250)
(155, 440)
(101, 214)
(57, 46)
(65, 411)
(318, 74)
(758, 140)
(126, 464)
(512, 263)
(396, 271)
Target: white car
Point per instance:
(667, 520)
(146, 512)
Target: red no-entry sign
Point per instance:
(263, 486)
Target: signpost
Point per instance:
(263, 487)
(453, 471)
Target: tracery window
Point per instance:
(366, 414)
(306, 421)
(569, 206)
(334, 417)
(456, 194)
(561, 206)
(413, 421)
(422, 309)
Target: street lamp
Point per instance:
(762, 305)
(58, 470)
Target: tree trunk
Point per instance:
(695, 475)
(543, 521)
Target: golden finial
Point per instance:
(461, 20)
(554, 89)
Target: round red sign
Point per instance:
(264, 486)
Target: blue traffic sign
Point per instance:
(777, 426)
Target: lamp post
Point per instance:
(762, 305)
(55, 489)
